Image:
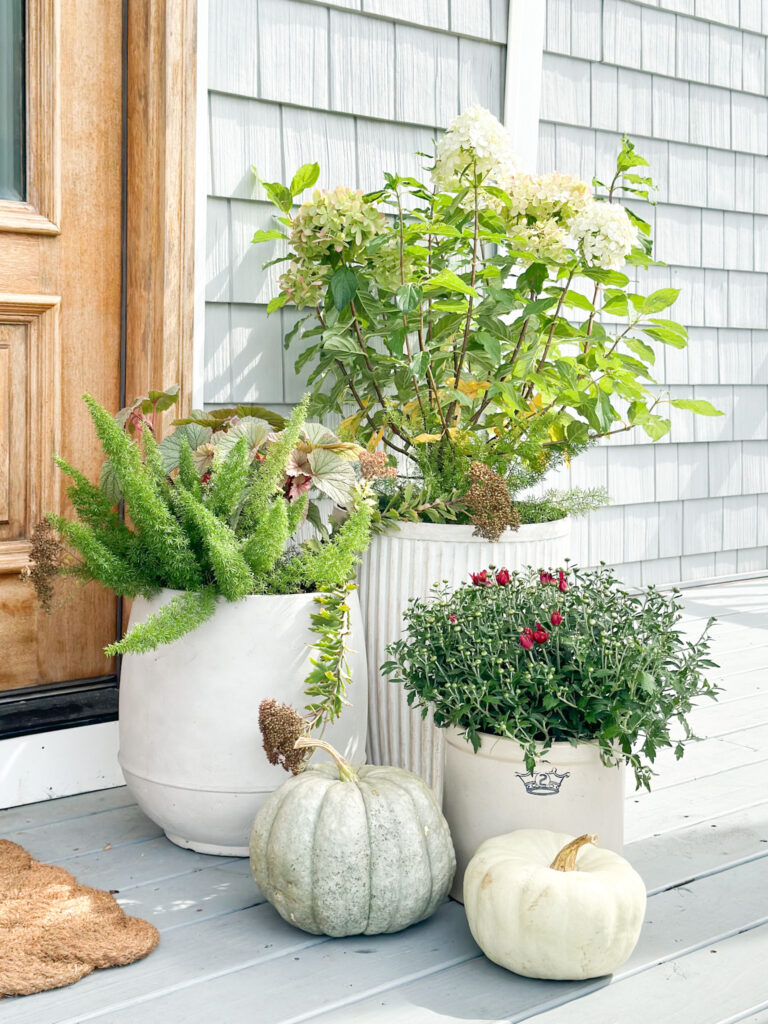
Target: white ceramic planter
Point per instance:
(491, 792)
(405, 563)
(190, 746)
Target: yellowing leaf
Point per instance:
(350, 425)
(473, 388)
(373, 444)
(426, 438)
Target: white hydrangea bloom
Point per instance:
(550, 195)
(544, 240)
(475, 136)
(605, 235)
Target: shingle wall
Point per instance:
(687, 80)
(358, 85)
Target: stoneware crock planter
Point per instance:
(490, 793)
(405, 563)
(190, 745)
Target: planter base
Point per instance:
(217, 851)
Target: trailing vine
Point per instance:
(281, 724)
(330, 674)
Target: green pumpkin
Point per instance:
(343, 851)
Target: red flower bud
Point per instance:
(452, 619)
(503, 577)
(556, 618)
(546, 577)
(562, 585)
(480, 579)
(540, 635)
(526, 641)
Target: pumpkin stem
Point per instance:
(346, 772)
(566, 858)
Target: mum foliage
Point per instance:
(485, 317)
(210, 513)
(545, 657)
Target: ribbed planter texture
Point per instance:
(190, 746)
(405, 563)
(491, 792)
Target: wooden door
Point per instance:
(60, 317)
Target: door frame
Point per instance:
(159, 49)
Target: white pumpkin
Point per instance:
(546, 905)
(344, 851)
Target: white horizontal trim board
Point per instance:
(47, 765)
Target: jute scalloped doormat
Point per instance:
(54, 931)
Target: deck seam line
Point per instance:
(159, 993)
(637, 796)
(696, 821)
(61, 821)
(617, 979)
(708, 874)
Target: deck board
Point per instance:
(700, 841)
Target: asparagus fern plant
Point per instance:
(209, 515)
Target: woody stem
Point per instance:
(346, 772)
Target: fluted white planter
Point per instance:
(190, 745)
(405, 563)
(491, 792)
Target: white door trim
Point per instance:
(45, 765)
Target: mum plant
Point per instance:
(545, 657)
(481, 325)
(211, 511)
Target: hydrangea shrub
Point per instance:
(484, 317)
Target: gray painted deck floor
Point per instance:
(700, 841)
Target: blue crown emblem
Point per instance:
(543, 783)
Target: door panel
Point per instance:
(60, 302)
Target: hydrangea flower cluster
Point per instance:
(304, 283)
(544, 240)
(475, 139)
(335, 220)
(605, 235)
(340, 220)
(549, 195)
(550, 215)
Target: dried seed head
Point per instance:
(281, 725)
(489, 502)
(374, 466)
(46, 558)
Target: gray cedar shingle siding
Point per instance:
(361, 85)
(688, 81)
